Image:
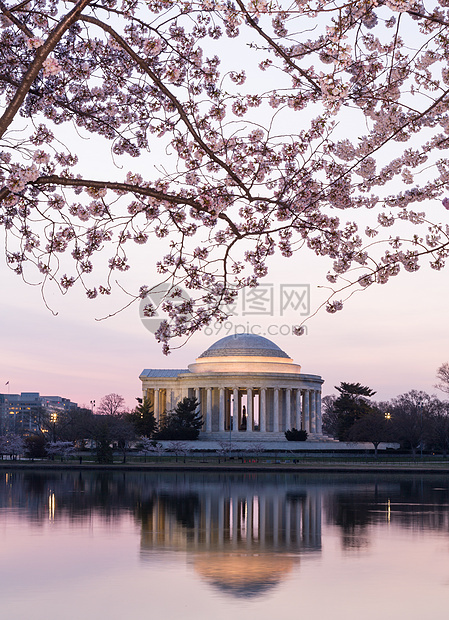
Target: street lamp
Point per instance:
(231, 420)
(420, 408)
(53, 420)
(92, 407)
(387, 415)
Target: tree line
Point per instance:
(416, 420)
(111, 427)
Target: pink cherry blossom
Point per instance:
(51, 67)
(325, 131)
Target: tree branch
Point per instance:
(42, 53)
(278, 49)
(54, 179)
(15, 20)
(143, 65)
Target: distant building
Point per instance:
(247, 387)
(25, 413)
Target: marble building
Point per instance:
(248, 389)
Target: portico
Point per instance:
(248, 388)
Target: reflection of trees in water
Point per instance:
(242, 534)
(352, 503)
(351, 514)
(77, 496)
(420, 503)
(185, 508)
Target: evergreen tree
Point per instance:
(350, 406)
(184, 422)
(103, 440)
(35, 447)
(143, 419)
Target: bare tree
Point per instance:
(330, 415)
(122, 433)
(437, 431)
(373, 428)
(75, 425)
(443, 378)
(410, 418)
(111, 404)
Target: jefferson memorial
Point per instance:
(247, 387)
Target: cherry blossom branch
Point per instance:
(123, 187)
(277, 47)
(15, 20)
(242, 173)
(41, 54)
(431, 18)
(143, 65)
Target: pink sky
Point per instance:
(391, 337)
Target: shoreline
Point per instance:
(331, 467)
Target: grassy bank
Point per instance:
(241, 463)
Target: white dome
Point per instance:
(244, 345)
(244, 353)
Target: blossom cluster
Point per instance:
(289, 143)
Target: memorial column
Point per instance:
(305, 410)
(208, 410)
(263, 410)
(235, 410)
(288, 408)
(312, 411)
(276, 411)
(221, 410)
(156, 405)
(319, 428)
(249, 410)
(298, 410)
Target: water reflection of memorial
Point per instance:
(240, 538)
(243, 533)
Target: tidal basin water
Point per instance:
(94, 546)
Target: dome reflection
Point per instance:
(243, 574)
(244, 541)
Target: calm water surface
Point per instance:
(213, 546)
